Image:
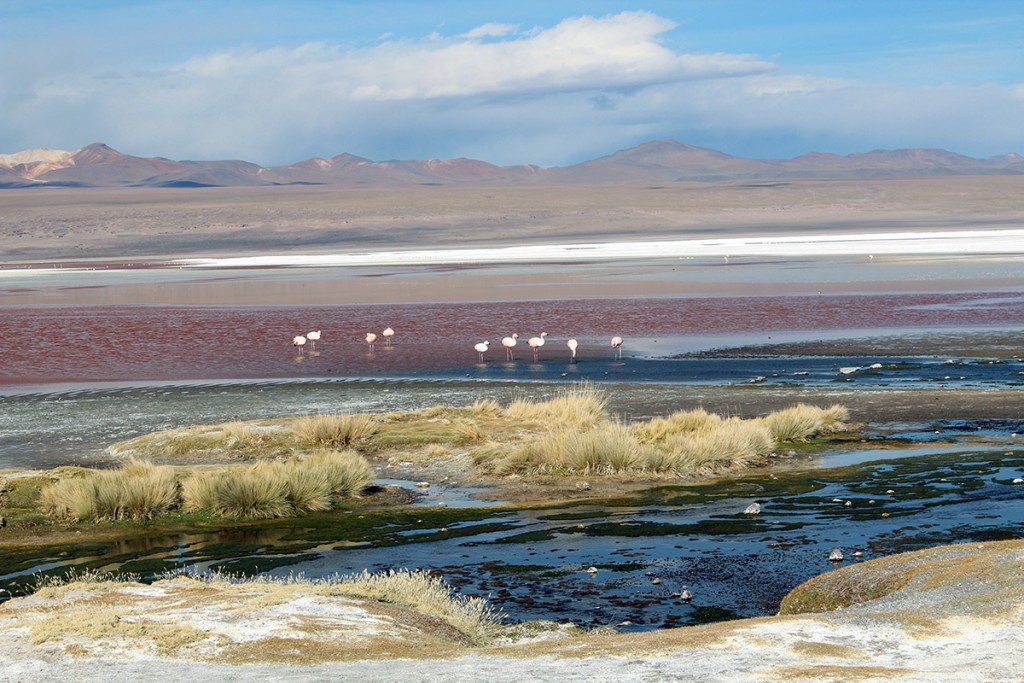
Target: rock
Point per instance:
(423, 484)
(583, 486)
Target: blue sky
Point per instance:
(549, 83)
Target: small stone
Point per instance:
(583, 486)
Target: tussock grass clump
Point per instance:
(199, 492)
(583, 406)
(659, 429)
(608, 448)
(252, 493)
(803, 422)
(346, 472)
(685, 443)
(336, 431)
(735, 444)
(138, 491)
(485, 408)
(242, 435)
(474, 617)
(279, 489)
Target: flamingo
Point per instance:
(370, 339)
(572, 344)
(388, 334)
(617, 345)
(313, 338)
(509, 343)
(535, 344)
(299, 341)
(481, 348)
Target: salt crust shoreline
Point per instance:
(933, 243)
(951, 242)
(955, 615)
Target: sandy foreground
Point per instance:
(948, 613)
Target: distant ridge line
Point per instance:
(657, 161)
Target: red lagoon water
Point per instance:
(90, 344)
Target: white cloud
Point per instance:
(554, 95)
(490, 30)
(620, 51)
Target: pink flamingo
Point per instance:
(535, 344)
(617, 345)
(370, 339)
(572, 344)
(509, 343)
(300, 342)
(313, 338)
(481, 348)
(388, 334)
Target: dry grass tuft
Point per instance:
(607, 449)
(734, 444)
(335, 431)
(431, 595)
(485, 408)
(660, 429)
(279, 489)
(252, 493)
(583, 406)
(138, 491)
(803, 422)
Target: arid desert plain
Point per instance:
(132, 318)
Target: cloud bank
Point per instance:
(548, 95)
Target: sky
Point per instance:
(547, 82)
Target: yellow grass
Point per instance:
(803, 422)
(278, 489)
(337, 431)
(583, 406)
(138, 491)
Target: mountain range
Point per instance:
(661, 161)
